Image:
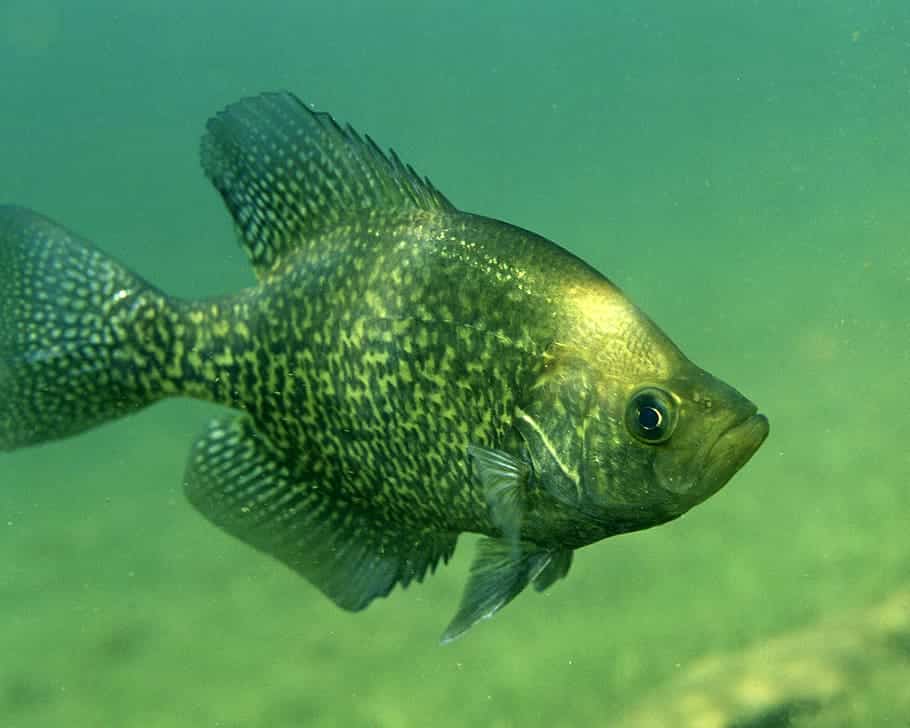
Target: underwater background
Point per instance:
(741, 169)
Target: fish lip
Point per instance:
(733, 449)
(719, 460)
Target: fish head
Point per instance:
(637, 435)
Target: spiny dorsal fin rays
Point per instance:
(287, 173)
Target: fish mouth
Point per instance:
(732, 450)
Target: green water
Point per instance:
(740, 169)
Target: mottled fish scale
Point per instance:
(360, 364)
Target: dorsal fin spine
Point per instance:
(288, 173)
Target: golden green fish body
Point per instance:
(377, 363)
(406, 372)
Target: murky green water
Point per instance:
(741, 169)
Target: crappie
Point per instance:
(404, 372)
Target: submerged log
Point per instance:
(774, 683)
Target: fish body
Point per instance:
(404, 372)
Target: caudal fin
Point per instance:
(68, 352)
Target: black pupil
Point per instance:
(649, 417)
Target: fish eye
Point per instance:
(651, 415)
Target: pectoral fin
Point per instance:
(500, 571)
(504, 479)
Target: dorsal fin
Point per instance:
(287, 173)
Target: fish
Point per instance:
(401, 372)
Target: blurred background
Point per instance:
(740, 169)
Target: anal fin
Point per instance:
(237, 480)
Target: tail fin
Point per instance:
(68, 358)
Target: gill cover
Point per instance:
(554, 424)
